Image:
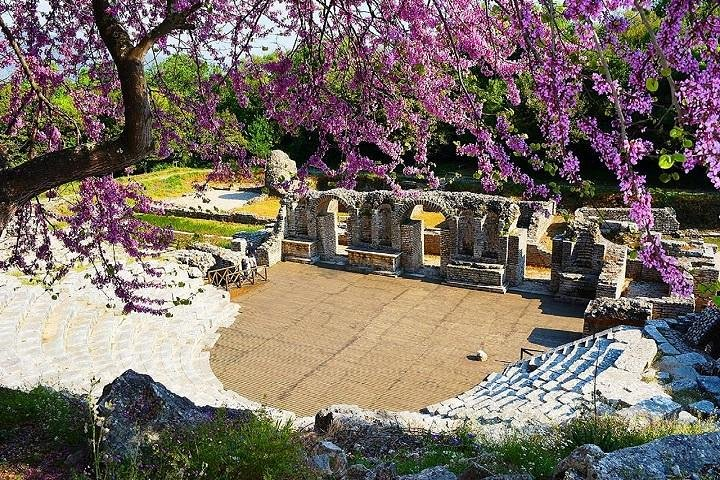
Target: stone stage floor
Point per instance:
(313, 336)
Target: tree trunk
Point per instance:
(24, 182)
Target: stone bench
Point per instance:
(374, 261)
(479, 276)
(299, 250)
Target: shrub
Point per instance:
(52, 418)
(259, 449)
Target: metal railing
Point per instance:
(235, 276)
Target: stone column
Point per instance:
(327, 234)
(413, 251)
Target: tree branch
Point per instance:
(31, 79)
(173, 21)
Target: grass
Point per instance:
(713, 240)
(169, 183)
(267, 207)
(258, 449)
(199, 226)
(536, 453)
(39, 429)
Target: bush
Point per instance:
(52, 418)
(538, 454)
(259, 449)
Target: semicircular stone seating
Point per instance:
(68, 336)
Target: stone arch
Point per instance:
(327, 207)
(412, 233)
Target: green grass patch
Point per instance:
(199, 226)
(259, 449)
(535, 453)
(41, 418)
(170, 182)
(713, 240)
(539, 454)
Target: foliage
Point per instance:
(197, 225)
(51, 416)
(529, 91)
(536, 453)
(259, 449)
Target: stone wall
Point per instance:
(665, 218)
(475, 233)
(604, 313)
(246, 218)
(270, 251)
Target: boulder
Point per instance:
(655, 407)
(702, 408)
(579, 462)
(279, 169)
(434, 473)
(135, 409)
(223, 257)
(197, 262)
(329, 460)
(676, 456)
(710, 384)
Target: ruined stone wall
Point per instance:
(665, 219)
(270, 251)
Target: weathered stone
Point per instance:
(710, 384)
(434, 473)
(683, 384)
(239, 245)
(656, 407)
(223, 257)
(687, 417)
(278, 170)
(702, 408)
(198, 262)
(511, 476)
(661, 459)
(385, 471)
(136, 409)
(329, 459)
(676, 369)
(637, 355)
(580, 461)
(691, 359)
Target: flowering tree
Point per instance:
(386, 73)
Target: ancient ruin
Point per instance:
(479, 244)
(486, 242)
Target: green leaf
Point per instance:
(716, 300)
(632, 254)
(676, 132)
(665, 178)
(665, 162)
(652, 84)
(687, 143)
(678, 157)
(666, 72)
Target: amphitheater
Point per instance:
(366, 306)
